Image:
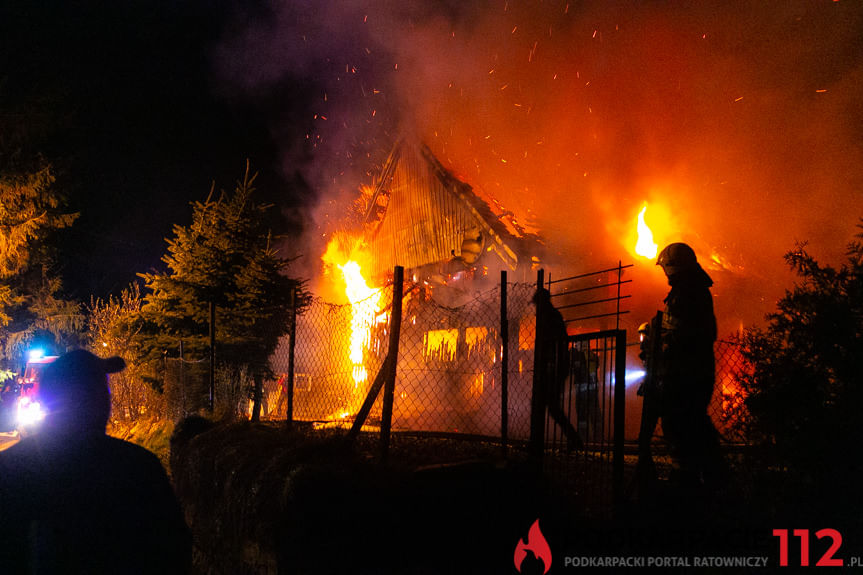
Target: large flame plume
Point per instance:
(342, 254)
(645, 246)
(365, 301)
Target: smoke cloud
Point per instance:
(738, 123)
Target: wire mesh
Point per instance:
(448, 377)
(448, 374)
(186, 386)
(521, 315)
(339, 350)
(727, 408)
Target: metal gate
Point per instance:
(584, 423)
(577, 430)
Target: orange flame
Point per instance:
(365, 301)
(645, 246)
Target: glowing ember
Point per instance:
(645, 246)
(364, 302)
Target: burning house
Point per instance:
(452, 244)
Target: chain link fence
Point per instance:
(186, 386)
(727, 408)
(448, 372)
(448, 375)
(187, 389)
(339, 349)
(449, 381)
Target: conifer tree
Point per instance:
(805, 391)
(31, 304)
(225, 257)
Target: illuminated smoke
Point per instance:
(738, 123)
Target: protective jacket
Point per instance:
(687, 362)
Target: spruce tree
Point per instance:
(32, 306)
(224, 257)
(805, 391)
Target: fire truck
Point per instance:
(19, 397)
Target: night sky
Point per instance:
(740, 125)
(122, 99)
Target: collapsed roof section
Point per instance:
(423, 218)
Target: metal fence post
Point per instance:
(182, 378)
(619, 417)
(504, 364)
(619, 279)
(212, 355)
(390, 383)
(537, 403)
(258, 395)
(292, 334)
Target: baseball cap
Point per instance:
(75, 387)
(80, 367)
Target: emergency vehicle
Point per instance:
(28, 409)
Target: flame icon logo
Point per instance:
(537, 544)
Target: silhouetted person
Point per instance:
(649, 342)
(74, 500)
(555, 363)
(8, 404)
(585, 377)
(686, 367)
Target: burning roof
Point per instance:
(420, 216)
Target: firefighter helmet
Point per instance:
(643, 331)
(677, 257)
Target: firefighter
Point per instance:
(649, 390)
(643, 349)
(585, 378)
(555, 364)
(685, 368)
(74, 500)
(8, 404)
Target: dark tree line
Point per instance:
(805, 391)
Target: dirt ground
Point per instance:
(262, 499)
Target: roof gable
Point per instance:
(420, 214)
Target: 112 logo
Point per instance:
(827, 560)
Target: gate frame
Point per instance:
(539, 403)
